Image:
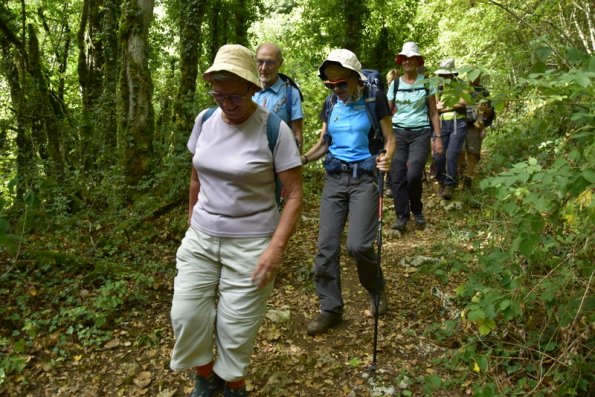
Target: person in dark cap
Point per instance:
(453, 118)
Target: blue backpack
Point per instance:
(371, 87)
(288, 91)
(273, 125)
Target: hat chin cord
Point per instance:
(357, 95)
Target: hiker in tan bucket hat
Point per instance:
(228, 259)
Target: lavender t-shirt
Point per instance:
(237, 176)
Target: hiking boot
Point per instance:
(467, 182)
(235, 392)
(323, 322)
(448, 190)
(400, 224)
(440, 190)
(382, 303)
(420, 221)
(208, 387)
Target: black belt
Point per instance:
(410, 128)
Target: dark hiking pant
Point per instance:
(407, 168)
(453, 133)
(345, 198)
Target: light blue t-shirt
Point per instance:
(411, 108)
(348, 127)
(274, 99)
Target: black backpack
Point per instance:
(371, 87)
(288, 91)
(480, 93)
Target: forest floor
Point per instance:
(286, 361)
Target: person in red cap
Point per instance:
(414, 117)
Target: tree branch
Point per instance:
(537, 34)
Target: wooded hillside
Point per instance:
(97, 100)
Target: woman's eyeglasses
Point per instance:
(235, 99)
(340, 84)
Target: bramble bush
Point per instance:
(527, 315)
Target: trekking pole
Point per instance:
(373, 366)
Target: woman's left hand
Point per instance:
(383, 162)
(267, 267)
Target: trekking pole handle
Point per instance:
(381, 177)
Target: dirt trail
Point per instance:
(286, 362)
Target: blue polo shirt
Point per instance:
(348, 126)
(274, 99)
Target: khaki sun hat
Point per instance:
(409, 50)
(447, 66)
(236, 59)
(346, 59)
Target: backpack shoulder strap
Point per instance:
(396, 88)
(370, 102)
(273, 125)
(288, 98)
(330, 102)
(208, 114)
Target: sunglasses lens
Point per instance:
(342, 85)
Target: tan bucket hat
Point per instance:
(236, 59)
(346, 59)
(409, 50)
(447, 66)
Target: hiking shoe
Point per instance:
(323, 322)
(235, 392)
(208, 387)
(440, 190)
(382, 303)
(400, 224)
(467, 182)
(448, 190)
(420, 221)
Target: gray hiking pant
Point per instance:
(354, 199)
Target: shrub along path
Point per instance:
(133, 359)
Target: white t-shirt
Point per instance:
(237, 176)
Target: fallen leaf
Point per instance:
(143, 379)
(112, 344)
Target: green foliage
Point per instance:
(528, 304)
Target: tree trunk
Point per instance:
(136, 117)
(90, 67)
(111, 49)
(9, 67)
(355, 12)
(191, 17)
(45, 119)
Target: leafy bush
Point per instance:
(528, 305)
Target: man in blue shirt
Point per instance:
(274, 90)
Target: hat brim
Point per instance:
(446, 71)
(234, 69)
(401, 57)
(323, 77)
